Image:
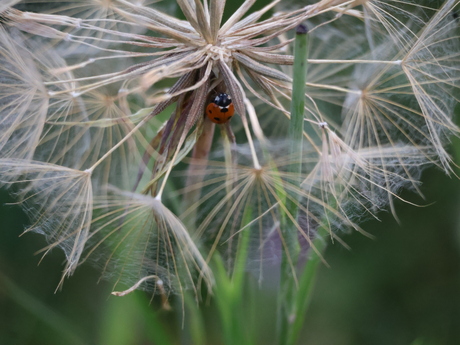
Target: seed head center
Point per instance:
(219, 53)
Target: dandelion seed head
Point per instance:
(104, 106)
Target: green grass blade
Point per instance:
(306, 285)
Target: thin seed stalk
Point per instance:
(286, 302)
(196, 168)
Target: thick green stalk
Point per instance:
(298, 98)
(286, 303)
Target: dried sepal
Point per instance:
(216, 11)
(234, 87)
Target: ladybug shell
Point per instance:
(219, 114)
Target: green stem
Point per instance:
(286, 302)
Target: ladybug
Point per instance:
(221, 109)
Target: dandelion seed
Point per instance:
(57, 200)
(228, 191)
(431, 65)
(23, 98)
(143, 239)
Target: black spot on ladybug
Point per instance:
(223, 110)
(210, 111)
(217, 119)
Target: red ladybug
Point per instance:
(221, 109)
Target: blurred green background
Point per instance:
(401, 288)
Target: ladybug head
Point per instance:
(223, 100)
